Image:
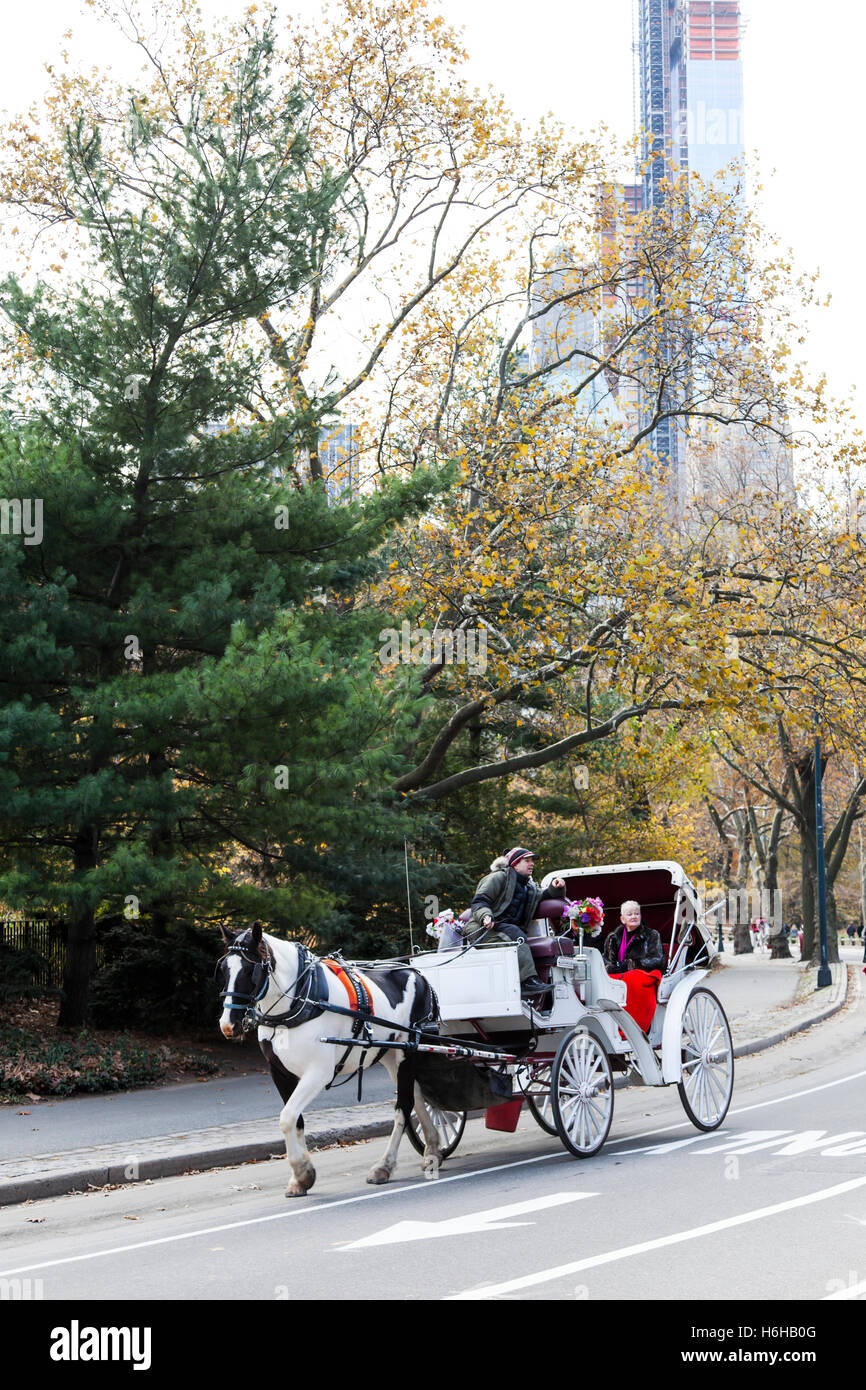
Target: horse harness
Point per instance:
(310, 999)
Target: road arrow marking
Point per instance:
(493, 1220)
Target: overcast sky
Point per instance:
(804, 76)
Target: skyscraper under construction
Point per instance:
(689, 108)
(690, 104)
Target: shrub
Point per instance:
(62, 1065)
(19, 967)
(159, 984)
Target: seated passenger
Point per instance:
(635, 953)
(505, 903)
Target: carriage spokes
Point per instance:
(707, 1082)
(581, 1093)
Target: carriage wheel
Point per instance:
(534, 1082)
(581, 1093)
(708, 1061)
(449, 1125)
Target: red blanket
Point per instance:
(641, 997)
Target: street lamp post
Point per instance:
(824, 977)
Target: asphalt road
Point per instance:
(773, 1206)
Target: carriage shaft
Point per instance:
(441, 1049)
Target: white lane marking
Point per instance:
(742, 1109)
(411, 1187)
(492, 1220)
(546, 1276)
(853, 1291)
(296, 1210)
(787, 1143)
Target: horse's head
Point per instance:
(243, 976)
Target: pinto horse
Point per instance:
(288, 990)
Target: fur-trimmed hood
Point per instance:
(500, 863)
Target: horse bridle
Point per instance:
(247, 1000)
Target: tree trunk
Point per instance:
(80, 941)
(742, 934)
(779, 946)
(742, 939)
(809, 895)
(832, 929)
(161, 847)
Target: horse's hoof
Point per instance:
(302, 1184)
(430, 1166)
(378, 1175)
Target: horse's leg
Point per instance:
(292, 1124)
(381, 1171)
(407, 1095)
(432, 1161)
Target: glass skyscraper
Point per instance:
(691, 89)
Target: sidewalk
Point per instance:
(766, 1001)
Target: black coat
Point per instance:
(643, 952)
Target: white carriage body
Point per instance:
(479, 990)
(563, 1055)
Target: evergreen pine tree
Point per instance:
(194, 725)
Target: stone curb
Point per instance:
(227, 1145)
(110, 1164)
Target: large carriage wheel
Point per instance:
(533, 1080)
(449, 1125)
(708, 1061)
(581, 1093)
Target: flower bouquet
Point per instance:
(446, 930)
(586, 915)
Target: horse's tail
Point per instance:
(406, 1085)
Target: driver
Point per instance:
(505, 902)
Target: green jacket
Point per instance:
(495, 891)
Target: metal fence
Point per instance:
(47, 939)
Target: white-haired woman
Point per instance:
(635, 953)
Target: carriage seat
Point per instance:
(547, 918)
(545, 950)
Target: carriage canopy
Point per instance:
(669, 903)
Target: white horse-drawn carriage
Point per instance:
(490, 1048)
(567, 1053)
